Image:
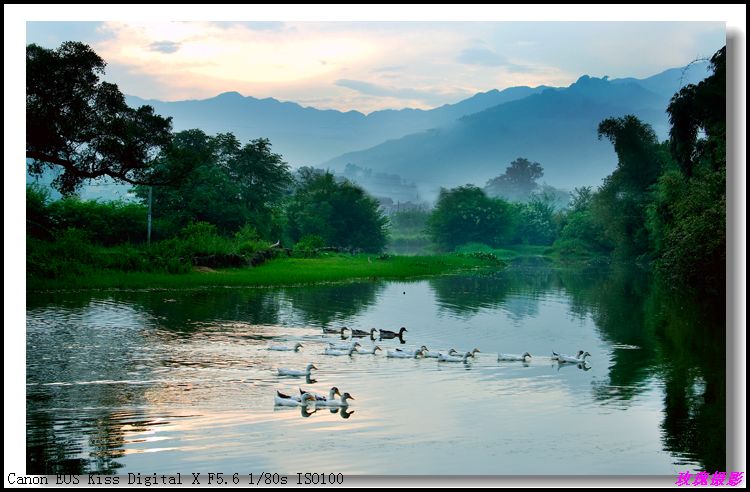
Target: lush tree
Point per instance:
(410, 221)
(82, 124)
(339, 212)
(581, 198)
(700, 109)
(518, 181)
(638, 159)
(620, 204)
(536, 221)
(229, 185)
(687, 218)
(582, 233)
(467, 215)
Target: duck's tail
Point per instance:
(282, 395)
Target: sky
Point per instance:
(368, 66)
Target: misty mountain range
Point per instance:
(410, 153)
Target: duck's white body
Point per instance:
(330, 351)
(368, 351)
(283, 371)
(343, 402)
(453, 358)
(580, 359)
(291, 402)
(556, 356)
(435, 355)
(284, 348)
(343, 346)
(318, 397)
(472, 354)
(514, 357)
(399, 354)
(413, 353)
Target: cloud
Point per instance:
(253, 26)
(52, 34)
(488, 58)
(381, 90)
(428, 95)
(164, 46)
(389, 68)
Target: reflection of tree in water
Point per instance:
(186, 311)
(516, 290)
(681, 340)
(678, 340)
(323, 305)
(90, 444)
(614, 298)
(692, 333)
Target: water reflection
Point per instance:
(106, 370)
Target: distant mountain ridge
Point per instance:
(556, 127)
(466, 142)
(306, 135)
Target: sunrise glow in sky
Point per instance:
(375, 65)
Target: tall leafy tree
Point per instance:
(229, 185)
(81, 124)
(687, 219)
(518, 181)
(340, 212)
(466, 215)
(701, 109)
(620, 205)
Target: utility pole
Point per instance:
(150, 199)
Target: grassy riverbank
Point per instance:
(281, 271)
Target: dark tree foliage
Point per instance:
(518, 181)
(635, 144)
(229, 185)
(340, 212)
(536, 221)
(79, 123)
(700, 108)
(687, 218)
(620, 205)
(467, 215)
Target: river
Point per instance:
(171, 381)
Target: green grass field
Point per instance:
(282, 271)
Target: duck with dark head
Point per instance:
(386, 334)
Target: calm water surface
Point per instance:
(181, 381)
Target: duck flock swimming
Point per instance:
(350, 348)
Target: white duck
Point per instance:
(402, 354)
(556, 356)
(349, 351)
(407, 354)
(335, 403)
(514, 357)
(283, 371)
(454, 358)
(291, 402)
(473, 352)
(434, 355)
(331, 395)
(343, 346)
(284, 348)
(368, 351)
(579, 359)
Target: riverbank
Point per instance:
(281, 271)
